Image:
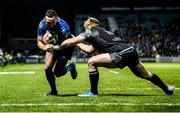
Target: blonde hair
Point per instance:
(91, 22)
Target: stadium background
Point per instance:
(19, 21)
(23, 87)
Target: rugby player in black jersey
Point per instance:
(114, 54)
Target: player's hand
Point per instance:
(47, 47)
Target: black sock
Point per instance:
(51, 79)
(157, 81)
(94, 78)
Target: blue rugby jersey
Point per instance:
(61, 29)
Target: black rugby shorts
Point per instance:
(126, 57)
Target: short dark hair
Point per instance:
(50, 13)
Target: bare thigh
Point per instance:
(102, 60)
(49, 61)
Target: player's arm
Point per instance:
(87, 35)
(68, 43)
(86, 48)
(75, 40)
(42, 45)
(42, 34)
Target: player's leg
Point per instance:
(62, 58)
(130, 58)
(73, 70)
(142, 72)
(49, 63)
(102, 60)
(61, 69)
(72, 65)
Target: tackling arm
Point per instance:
(85, 47)
(68, 43)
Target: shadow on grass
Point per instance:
(67, 95)
(115, 95)
(129, 95)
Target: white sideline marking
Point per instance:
(22, 68)
(91, 104)
(8, 73)
(115, 72)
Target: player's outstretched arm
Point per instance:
(86, 48)
(68, 43)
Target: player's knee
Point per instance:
(143, 76)
(47, 68)
(91, 62)
(148, 75)
(91, 65)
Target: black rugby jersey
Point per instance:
(103, 40)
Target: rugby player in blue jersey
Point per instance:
(114, 53)
(53, 27)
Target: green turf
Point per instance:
(119, 91)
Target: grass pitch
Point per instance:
(23, 88)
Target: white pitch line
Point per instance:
(91, 104)
(9, 73)
(10, 69)
(22, 68)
